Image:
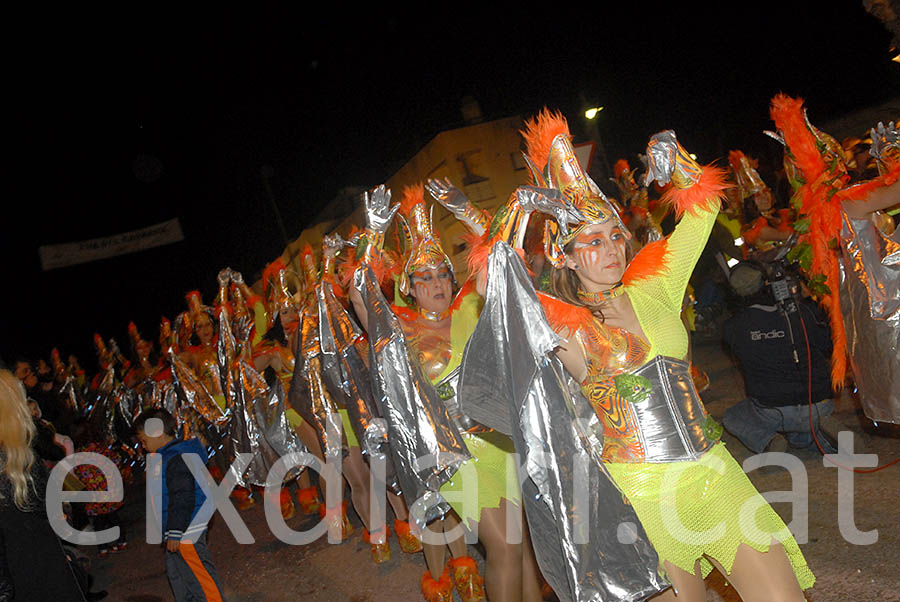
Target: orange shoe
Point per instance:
(287, 504)
(243, 497)
(408, 542)
(309, 500)
(381, 552)
(469, 584)
(437, 591)
(337, 519)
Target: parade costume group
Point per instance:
(527, 385)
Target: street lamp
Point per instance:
(592, 112)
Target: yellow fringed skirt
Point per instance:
(704, 508)
(485, 480)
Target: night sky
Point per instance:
(329, 102)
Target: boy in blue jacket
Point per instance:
(188, 565)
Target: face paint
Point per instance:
(433, 288)
(599, 255)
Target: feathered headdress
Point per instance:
(135, 335)
(629, 192)
(275, 289)
(425, 250)
(553, 164)
(745, 174)
(166, 336)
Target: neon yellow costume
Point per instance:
(708, 492)
(677, 502)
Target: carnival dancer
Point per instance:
(211, 369)
(636, 215)
(320, 407)
(274, 351)
(436, 325)
(623, 340)
(202, 356)
(764, 225)
(851, 265)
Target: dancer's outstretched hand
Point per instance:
(884, 138)
(668, 161)
(379, 211)
(332, 244)
(552, 202)
(448, 195)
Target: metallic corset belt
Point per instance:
(671, 418)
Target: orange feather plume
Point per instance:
(410, 197)
(540, 132)
(620, 167)
(705, 194)
(562, 315)
(652, 260)
(820, 202)
(479, 251)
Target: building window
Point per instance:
(479, 191)
(518, 161)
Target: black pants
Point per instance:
(106, 521)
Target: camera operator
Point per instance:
(767, 338)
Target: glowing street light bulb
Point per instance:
(693, 156)
(591, 113)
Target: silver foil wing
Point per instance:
(70, 396)
(194, 395)
(426, 445)
(246, 436)
(588, 542)
(198, 414)
(870, 303)
(308, 395)
(276, 430)
(343, 370)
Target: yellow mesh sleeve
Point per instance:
(684, 247)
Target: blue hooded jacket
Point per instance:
(182, 495)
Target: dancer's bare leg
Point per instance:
(398, 506)
(457, 545)
(690, 587)
(761, 576)
(531, 583)
(357, 474)
(303, 480)
(503, 574)
(308, 437)
(435, 553)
